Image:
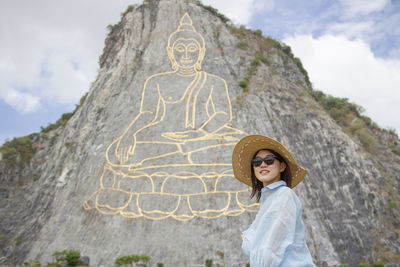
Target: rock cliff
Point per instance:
(143, 166)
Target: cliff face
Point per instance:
(143, 166)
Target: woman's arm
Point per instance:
(275, 233)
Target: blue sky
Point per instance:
(49, 51)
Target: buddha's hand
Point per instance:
(125, 148)
(185, 135)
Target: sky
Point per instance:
(49, 52)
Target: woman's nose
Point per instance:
(263, 164)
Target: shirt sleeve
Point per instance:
(275, 233)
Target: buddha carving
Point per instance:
(174, 158)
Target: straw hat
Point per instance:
(245, 150)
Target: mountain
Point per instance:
(142, 166)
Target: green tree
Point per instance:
(72, 257)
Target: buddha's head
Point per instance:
(186, 47)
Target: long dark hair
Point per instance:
(257, 185)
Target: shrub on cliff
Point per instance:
(70, 256)
(18, 151)
(129, 259)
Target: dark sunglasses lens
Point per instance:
(257, 162)
(269, 161)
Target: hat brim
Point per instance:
(246, 148)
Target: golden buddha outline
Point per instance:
(181, 136)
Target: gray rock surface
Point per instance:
(177, 201)
(84, 261)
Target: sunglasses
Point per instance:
(269, 160)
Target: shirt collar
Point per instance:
(273, 186)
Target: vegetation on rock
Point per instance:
(69, 256)
(64, 117)
(214, 11)
(346, 114)
(20, 150)
(128, 9)
(265, 44)
(130, 259)
(209, 262)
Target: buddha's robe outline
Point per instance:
(174, 159)
(196, 117)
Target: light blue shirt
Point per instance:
(277, 236)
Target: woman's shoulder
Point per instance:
(282, 202)
(287, 193)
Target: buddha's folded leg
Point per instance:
(214, 154)
(157, 154)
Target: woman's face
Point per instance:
(268, 174)
(186, 51)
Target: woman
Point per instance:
(276, 237)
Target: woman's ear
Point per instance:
(282, 167)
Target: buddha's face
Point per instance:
(186, 52)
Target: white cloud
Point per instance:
(362, 7)
(351, 29)
(20, 101)
(65, 79)
(347, 68)
(49, 49)
(240, 11)
(263, 6)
